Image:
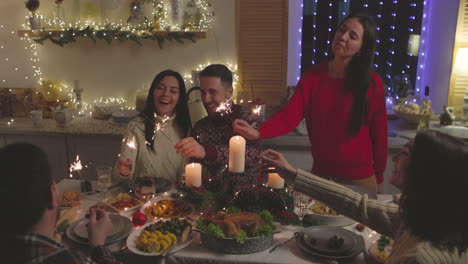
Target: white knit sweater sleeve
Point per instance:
(381, 217)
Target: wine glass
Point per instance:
(104, 174)
(301, 204)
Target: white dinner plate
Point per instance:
(118, 225)
(125, 229)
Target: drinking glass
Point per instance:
(104, 174)
(301, 204)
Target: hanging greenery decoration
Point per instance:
(69, 36)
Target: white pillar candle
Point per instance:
(275, 181)
(237, 154)
(193, 174)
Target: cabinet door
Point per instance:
(53, 145)
(94, 150)
(262, 45)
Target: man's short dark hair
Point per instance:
(218, 70)
(25, 188)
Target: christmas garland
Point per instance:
(68, 36)
(278, 202)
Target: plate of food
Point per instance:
(330, 242)
(70, 199)
(159, 238)
(322, 212)
(165, 207)
(236, 233)
(123, 202)
(380, 249)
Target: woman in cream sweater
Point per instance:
(164, 121)
(430, 225)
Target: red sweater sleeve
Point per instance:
(379, 130)
(290, 115)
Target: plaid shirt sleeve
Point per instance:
(102, 255)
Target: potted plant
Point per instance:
(34, 20)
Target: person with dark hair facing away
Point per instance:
(32, 202)
(209, 141)
(430, 223)
(343, 103)
(164, 121)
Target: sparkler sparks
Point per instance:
(257, 110)
(131, 143)
(159, 126)
(76, 166)
(224, 107)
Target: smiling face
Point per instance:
(214, 92)
(401, 162)
(348, 39)
(166, 96)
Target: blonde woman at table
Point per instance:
(147, 146)
(31, 204)
(342, 101)
(430, 225)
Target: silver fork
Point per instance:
(280, 244)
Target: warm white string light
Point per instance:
(200, 67)
(205, 23)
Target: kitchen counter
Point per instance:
(78, 126)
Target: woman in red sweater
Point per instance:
(343, 103)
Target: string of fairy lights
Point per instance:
(299, 42)
(329, 29)
(388, 16)
(377, 44)
(205, 24)
(422, 47)
(314, 31)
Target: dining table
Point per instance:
(196, 252)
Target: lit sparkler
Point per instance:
(257, 110)
(76, 166)
(224, 107)
(159, 126)
(131, 143)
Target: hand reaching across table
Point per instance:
(245, 129)
(271, 158)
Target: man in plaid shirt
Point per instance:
(31, 199)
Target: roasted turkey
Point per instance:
(231, 224)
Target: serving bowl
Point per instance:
(231, 246)
(331, 220)
(106, 109)
(409, 117)
(124, 116)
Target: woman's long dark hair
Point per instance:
(358, 72)
(434, 199)
(182, 112)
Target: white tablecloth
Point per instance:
(197, 253)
